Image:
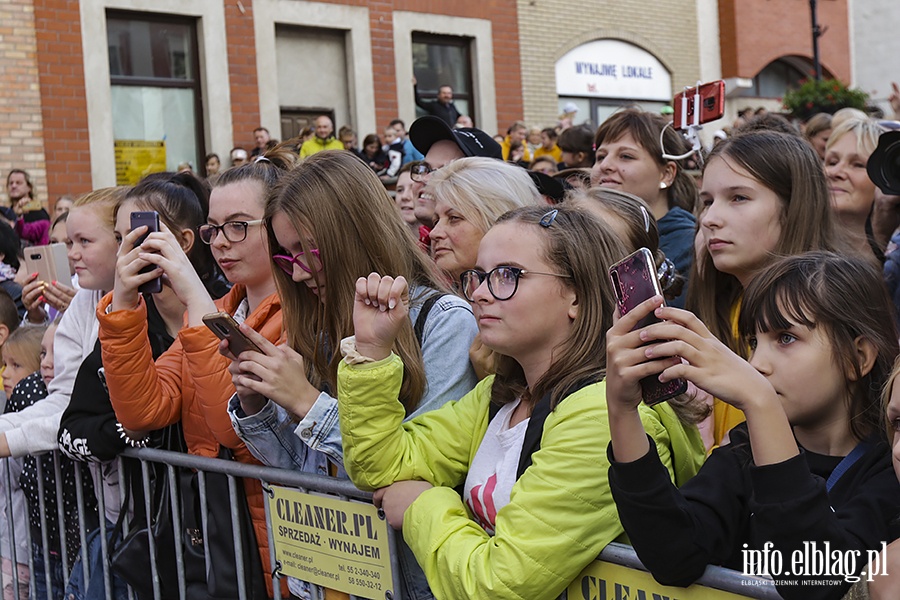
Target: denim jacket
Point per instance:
(276, 440)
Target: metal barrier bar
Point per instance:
(715, 577)
(14, 571)
(45, 538)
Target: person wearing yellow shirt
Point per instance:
(323, 139)
(548, 145)
(516, 135)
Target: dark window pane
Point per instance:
(437, 64)
(150, 49)
(444, 60)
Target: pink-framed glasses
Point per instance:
(311, 263)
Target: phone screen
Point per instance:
(150, 219)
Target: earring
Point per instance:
(663, 185)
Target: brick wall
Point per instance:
(550, 28)
(42, 69)
(63, 106)
(760, 31)
(21, 140)
(242, 75)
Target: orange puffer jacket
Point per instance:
(190, 383)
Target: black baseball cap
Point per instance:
(425, 131)
(548, 186)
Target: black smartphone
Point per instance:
(634, 280)
(150, 219)
(712, 104)
(226, 328)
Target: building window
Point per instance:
(444, 60)
(779, 76)
(155, 89)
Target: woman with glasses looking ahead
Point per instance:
(525, 444)
(330, 222)
(190, 382)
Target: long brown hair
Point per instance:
(341, 203)
(789, 167)
(845, 296)
(582, 248)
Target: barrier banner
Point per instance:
(137, 158)
(334, 543)
(606, 581)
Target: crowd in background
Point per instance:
(428, 313)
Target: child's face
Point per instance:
(389, 136)
(893, 415)
(14, 371)
(47, 371)
(94, 248)
(800, 364)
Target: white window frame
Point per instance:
(353, 20)
(481, 50)
(212, 47)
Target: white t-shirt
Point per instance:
(492, 473)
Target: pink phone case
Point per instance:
(634, 281)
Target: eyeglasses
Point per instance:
(421, 171)
(502, 281)
(287, 262)
(235, 231)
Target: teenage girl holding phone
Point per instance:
(330, 222)
(763, 195)
(811, 466)
(527, 443)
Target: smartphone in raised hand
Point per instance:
(634, 280)
(150, 219)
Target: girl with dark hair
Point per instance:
(373, 155)
(811, 468)
(89, 430)
(190, 382)
(527, 443)
(9, 265)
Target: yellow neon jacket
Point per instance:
(561, 512)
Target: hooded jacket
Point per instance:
(190, 383)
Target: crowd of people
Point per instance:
(456, 346)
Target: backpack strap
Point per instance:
(419, 327)
(535, 429)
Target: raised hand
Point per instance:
(277, 373)
(58, 295)
(164, 251)
(711, 365)
(380, 308)
(626, 360)
(128, 276)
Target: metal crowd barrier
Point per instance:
(715, 578)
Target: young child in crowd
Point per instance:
(14, 548)
(883, 583)
(526, 443)
(811, 466)
(29, 356)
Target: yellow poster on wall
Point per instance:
(137, 158)
(606, 581)
(335, 543)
